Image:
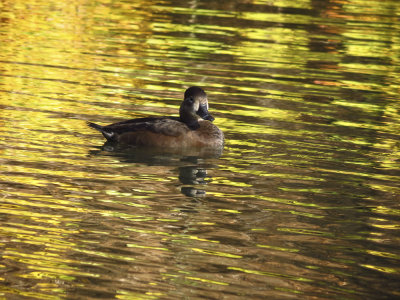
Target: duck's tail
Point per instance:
(109, 135)
(95, 126)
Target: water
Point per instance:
(301, 204)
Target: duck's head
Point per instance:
(194, 105)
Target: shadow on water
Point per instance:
(191, 163)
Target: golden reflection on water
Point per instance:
(301, 201)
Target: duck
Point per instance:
(193, 127)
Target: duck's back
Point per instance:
(163, 125)
(158, 132)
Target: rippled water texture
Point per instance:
(303, 202)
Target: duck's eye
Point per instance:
(190, 99)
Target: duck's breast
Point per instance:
(208, 135)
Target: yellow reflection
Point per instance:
(383, 254)
(217, 253)
(382, 269)
(182, 236)
(194, 11)
(270, 274)
(307, 231)
(47, 264)
(387, 226)
(384, 210)
(146, 247)
(106, 255)
(231, 211)
(61, 66)
(198, 279)
(286, 3)
(278, 248)
(28, 294)
(298, 213)
(206, 280)
(127, 295)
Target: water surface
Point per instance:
(301, 204)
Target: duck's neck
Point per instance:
(191, 120)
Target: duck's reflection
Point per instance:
(193, 175)
(191, 163)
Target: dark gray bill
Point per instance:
(203, 113)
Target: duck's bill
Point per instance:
(203, 113)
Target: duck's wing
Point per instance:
(170, 126)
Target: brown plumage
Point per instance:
(187, 130)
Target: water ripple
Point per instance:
(302, 202)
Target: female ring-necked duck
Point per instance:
(187, 130)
